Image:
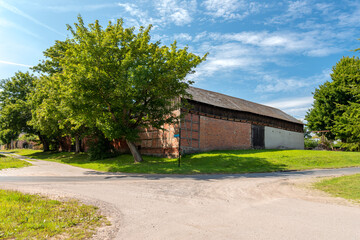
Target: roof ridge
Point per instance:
(232, 102)
(240, 98)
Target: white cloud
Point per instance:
(281, 85)
(227, 57)
(295, 10)
(200, 36)
(287, 41)
(15, 64)
(183, 36)
(291, 102)
(296, 107)
(181, 17)
(161, 38)
(230, 9)
(274, 84)
(79, 8)
(252, 52)
(325, 8)
(298, 9)
(23, 14)
(323, 51)
(350, 18)
(139, 16)
(177, 12)
(132, 9)
(12, 25)
(167, 11)
(312, 43)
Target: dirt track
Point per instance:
(277, 206)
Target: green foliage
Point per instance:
(239, 161)
(14, 109)
(6, 135)
(113, 79)
(307, 132)
(121, 81)
(51, 65)
(53, 108)
(336, 105)
(51, 111)
(100, 147)
(310, 143)
(347, 126)
(29, 137)
(45, 108)
(25, 216)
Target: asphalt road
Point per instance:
(234, 206)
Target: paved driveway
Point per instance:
(238, 206)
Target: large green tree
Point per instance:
(121, 81)
(48, 112)
(347, 125)
(335, 102)
(14, 109)
(51, 103)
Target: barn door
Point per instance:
(257, 136)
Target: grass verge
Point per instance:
(346, 187)
(9, 162)
(239, 161)
(25, 216)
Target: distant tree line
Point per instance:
(106, 82)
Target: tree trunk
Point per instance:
(46, 146)
(134, 151)
(77, 144)
(45, 143)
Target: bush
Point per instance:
(352, 147)
(101, 148)
(310, 144)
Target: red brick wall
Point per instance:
(199, 133)
(218, 134)
(159, 142)
(190, 134)
(152, 142)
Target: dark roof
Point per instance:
(224, 101)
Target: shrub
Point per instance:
(353, 147)
(310, 144)
(101, 148)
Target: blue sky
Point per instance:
(269, 52)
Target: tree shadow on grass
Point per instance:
(67, 157)
(215, 162)
(209, 165)
(211, 162)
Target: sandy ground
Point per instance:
(243, 206)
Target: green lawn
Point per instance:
(346, 187)
(25, 216)
(9, 162)
(240, 161)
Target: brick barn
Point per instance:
(220, 122)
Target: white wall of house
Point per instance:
(282, 139)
